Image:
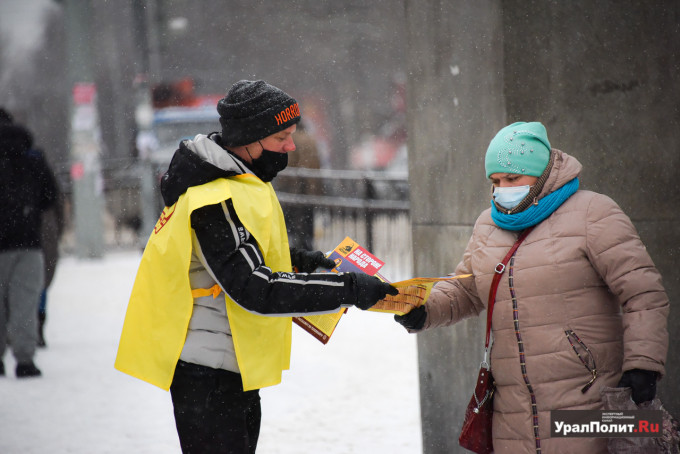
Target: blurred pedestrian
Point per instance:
(210, 312)
(52, 227)
(27, 191)
(580, 305)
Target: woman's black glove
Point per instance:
(308, 261)
(369, 290)
(642, 382)
(415, 319)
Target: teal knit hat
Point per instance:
(520, 148)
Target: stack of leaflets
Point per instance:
(349, 256)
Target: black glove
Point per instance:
(369, 290)
(642, 382)
(415, 319)
(307, 261)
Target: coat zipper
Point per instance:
(522, 356)
(575, 341)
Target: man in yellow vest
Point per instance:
(209, 316)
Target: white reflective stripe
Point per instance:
(300, 281)
(245, 255)
(234, 230)
(256, 252)
(315, 282)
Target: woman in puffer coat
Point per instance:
(579, 307)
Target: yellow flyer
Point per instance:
(412, 293)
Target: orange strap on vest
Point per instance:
(215, 290)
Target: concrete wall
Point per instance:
(600, 77)
(455, 98)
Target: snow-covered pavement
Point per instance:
(357, 394)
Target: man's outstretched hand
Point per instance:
(369, 290)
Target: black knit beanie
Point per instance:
(253, 110)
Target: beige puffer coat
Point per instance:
(581, 279)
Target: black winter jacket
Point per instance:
(27, 188)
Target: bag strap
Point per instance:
(499, 270)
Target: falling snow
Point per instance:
(357, 394)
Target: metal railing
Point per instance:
(370, 207)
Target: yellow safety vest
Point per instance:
(161, 302)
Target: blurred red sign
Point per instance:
(77, 170)
(83, 93)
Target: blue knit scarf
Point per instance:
(535, 213)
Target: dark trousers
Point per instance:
(212, 412)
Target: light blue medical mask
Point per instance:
(509, 197)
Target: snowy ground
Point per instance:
(357, 394)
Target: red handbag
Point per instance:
(475, 434)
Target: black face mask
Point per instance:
(269, 164)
